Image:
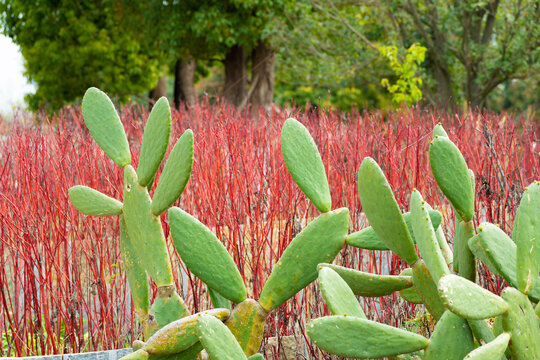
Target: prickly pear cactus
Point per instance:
(222, 333)
(459, 305)
(142, 240)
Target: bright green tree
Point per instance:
(69, 46)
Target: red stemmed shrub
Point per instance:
(62, 285)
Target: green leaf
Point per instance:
(305, 164)
(354, 337)
(468, 300)
(205, 255)
(319, 242)
(382, 210)
(105, 126)
(337, 294)
(217, 339)
(368, 284)
(175, 174)
(92, 202)
(155, 141)
(452, 175)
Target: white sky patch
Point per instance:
(13, 84)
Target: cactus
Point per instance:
(459, 305)
(225, 334)
(142, 239)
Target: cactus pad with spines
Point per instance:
(155, 141)
(492, 350)
(217, 339)
(468, 300)
(205, 255)
(354, 337)
(371, 285)
(367, 238)
(105, 126)
(382, 211)
(175, 175)
(451, 339)
(319, 242)
(338, 295)
(246, 323)
(452, 175)
(305, 164)
(92, 202)
(427, 289)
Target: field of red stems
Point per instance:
(62, 285)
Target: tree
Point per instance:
(235, 32)
(472, 46)
(69, 46)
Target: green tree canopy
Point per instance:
(69, 46)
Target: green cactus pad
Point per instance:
(247, 322)
(167, 307)
(205, 255)
(526, 235)
(256, 357)
(189, 354)
(438, 130)
(537, 309)
(468, 300)
(410, 294)
(181, 334)
(457, 236)
(353, 337)
(522, 324)
(305, 164)
(481, 330)
(337, 294)
(527, 264)
(451, 337)
(155, 141)
(218, 340)
(382, 210)
(145, 231)
(217, 300)
(105, 126)
(92, 202)
(426, 238)
(175, 175)
(452, 175)
(371, 285)
(136, 355)
(467, 261)
(319, 242)
(136, 275)
(367, 238)
(492, 350)
(427, 289)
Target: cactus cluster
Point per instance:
(170, 330)
(442, 281)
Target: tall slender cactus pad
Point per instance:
(145, 230)
(155, 141)
(382, 210)
(105, 126)
(175, 175)
(305, 164)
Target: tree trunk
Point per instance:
(262, 77)
(184, 87)
(235, 90)
(159, 91)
